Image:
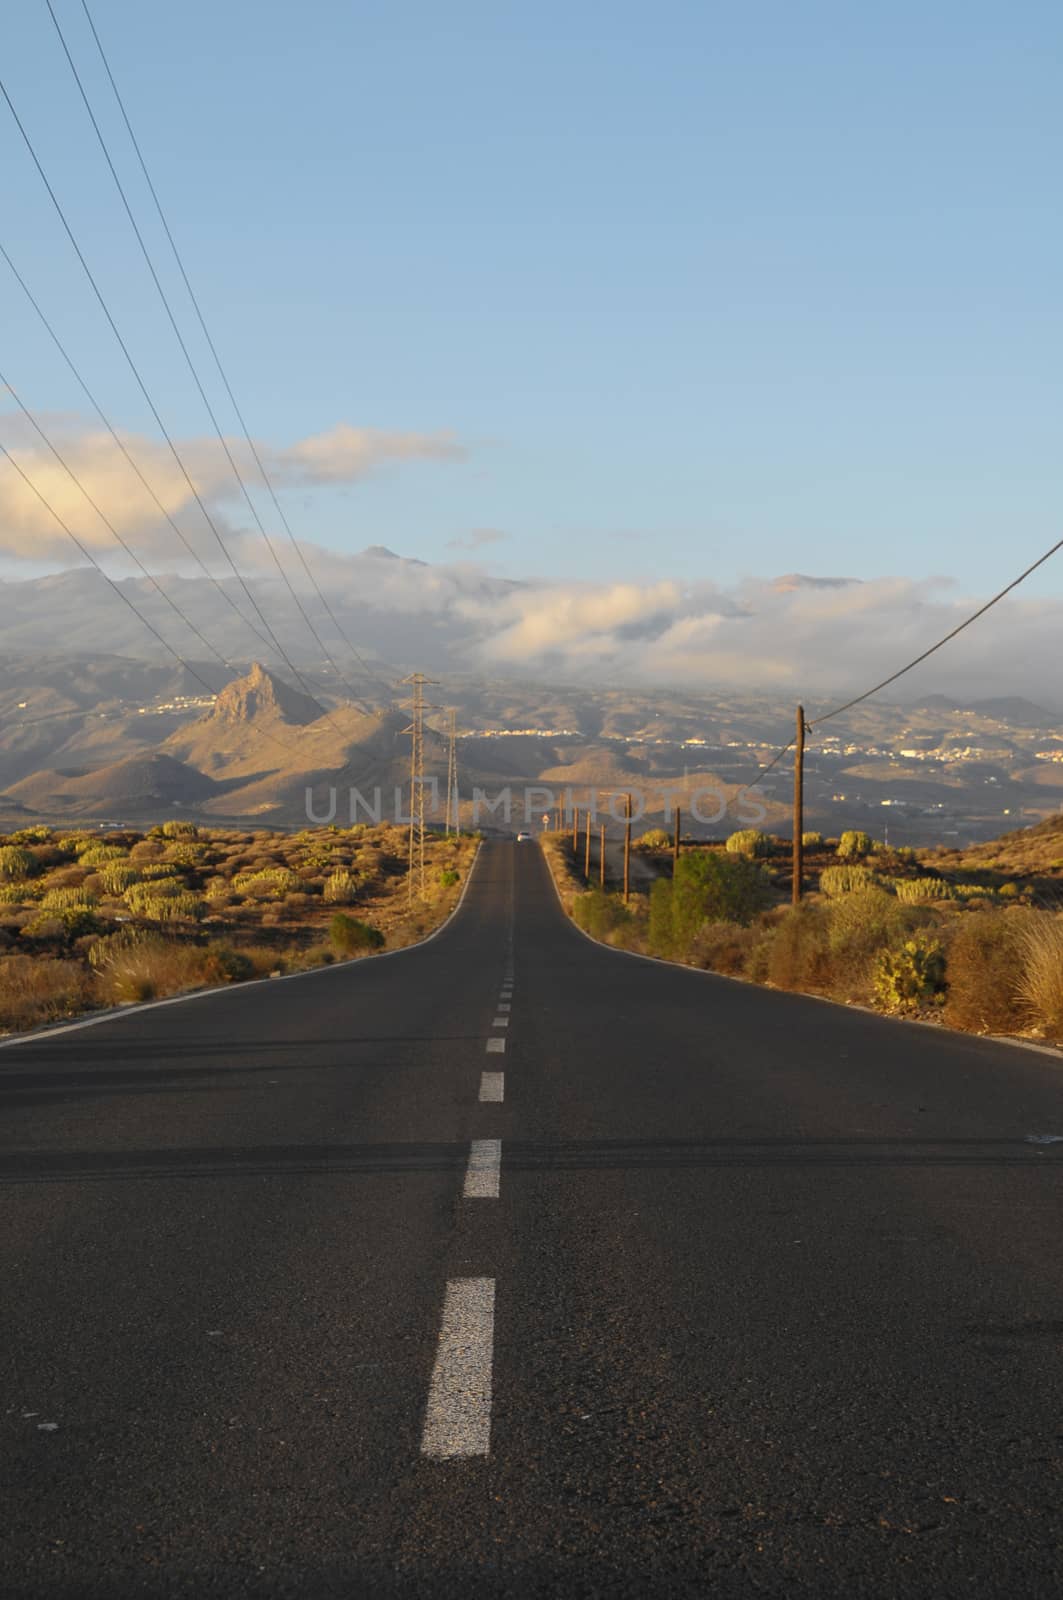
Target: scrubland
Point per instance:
(973, 945)
(90, 920)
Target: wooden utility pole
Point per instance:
(675, 841)
(575, 829)
(627, 851)
(452, 772)
(799, 805)
(587, 851)
(601, 856)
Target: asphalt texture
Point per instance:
(777, 1303)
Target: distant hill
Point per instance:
(1012, 709)
(139, 783)
(1018, 712)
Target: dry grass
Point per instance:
(1041, 984)
(557, 848)
(35, 990)
(984, 972)
(150, 969)
(252, 925)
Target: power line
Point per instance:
(86, 551)
(836, 711)
(125, 452)
(1014, 584)
(193, 370)
(147, 396)
(762, 772)
(130, 552)
(218, 362)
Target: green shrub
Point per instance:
(66, 899)
(705, 887)
(724, 947)
(152, 870)
(38, 834)
(601, 915)
(749, 842)
(67, 922)
(15, 862)
(448, 877)
(116, 878)
(915, 891)
(78, 921)
(138, 895)
(341, 888)
(1008, 891)
(859, 926)
(659, 931)
(349, 936)
(177, 829)
(186, 905)
(812, 841)
(835, 881)
(13, 894)
(186, 853)
(653, 839)
(314, 863)
(268, 883)
(910, 977)
(854, 842)
(797, 955)
(98, 854)
(163, 900)
(222, 964)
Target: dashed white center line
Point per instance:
(458, 1417)
(500, 1022)
(504, 1005)
(484, 1169)
(495, 1044)
(493, 1086)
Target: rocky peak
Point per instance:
(260, 694)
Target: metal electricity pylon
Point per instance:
(417, 681)
(452, 817)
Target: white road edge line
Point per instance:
(484, 1170)
(493, 1087)
(458, 1415)
(957, 1036)
(117, 1013)
(495, 1045)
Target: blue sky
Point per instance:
(705, 291)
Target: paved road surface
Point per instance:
(765, 1297)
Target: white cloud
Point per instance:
(344, 454)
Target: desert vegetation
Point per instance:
(89, 921)
(911, 933)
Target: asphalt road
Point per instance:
(765, 1297)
